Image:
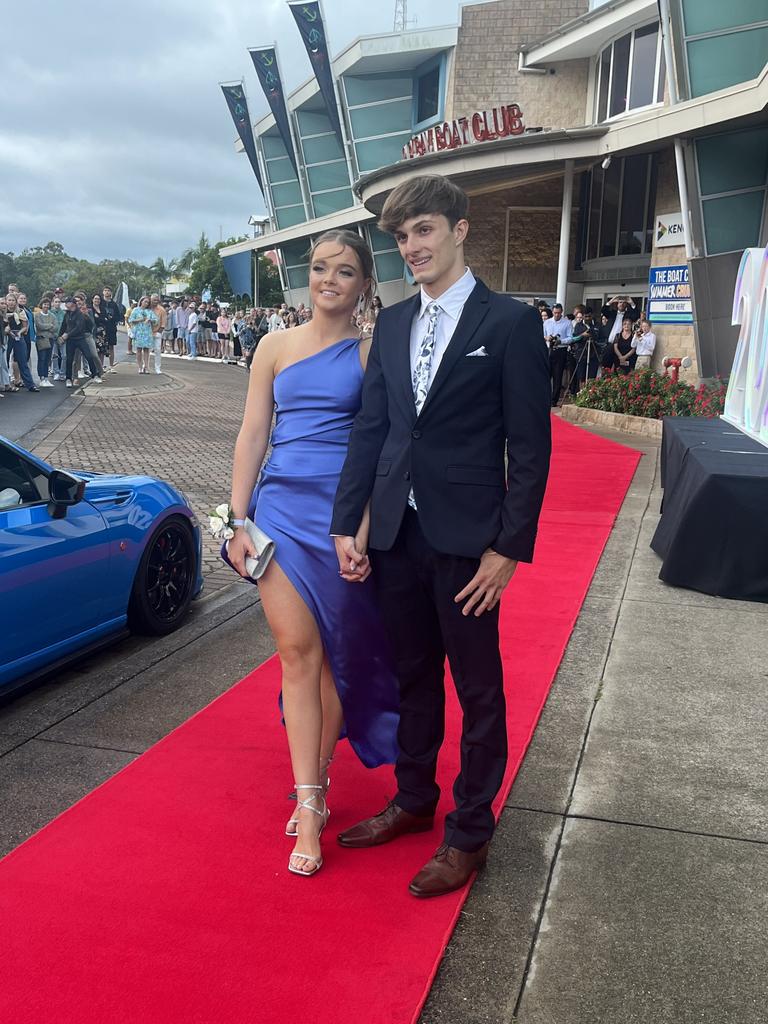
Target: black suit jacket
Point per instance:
(453, 453)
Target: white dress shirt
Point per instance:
(644, 344)
(561, 329)
(451, 304)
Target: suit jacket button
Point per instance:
(416, 434)
(406, 476)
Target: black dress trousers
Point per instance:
(416, 587)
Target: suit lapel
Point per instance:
(471, 317)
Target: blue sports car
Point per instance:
(84, 557)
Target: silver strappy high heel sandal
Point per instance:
(292, 825)
(324, 814)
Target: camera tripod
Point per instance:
(587, 352)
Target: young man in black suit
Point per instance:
(457, 378)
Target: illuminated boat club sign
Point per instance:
(482, 126)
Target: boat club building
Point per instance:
(624, 150)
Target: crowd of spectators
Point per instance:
(581, 349)
(74, 337)
(67, 334)
(191, 329)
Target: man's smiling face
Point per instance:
(432, 249)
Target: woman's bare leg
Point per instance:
(333, 716)
(301, 655)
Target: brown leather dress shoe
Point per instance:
(449, 869)
(389, 824)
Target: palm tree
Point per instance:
(162, 271)
(186, 261)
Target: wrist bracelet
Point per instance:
(238, 522)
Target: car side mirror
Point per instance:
(63, 490)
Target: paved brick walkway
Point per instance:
(180, 425)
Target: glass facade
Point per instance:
(325, 163)
(283, 184)
(296, 262)
(427, 95)
(725, 43)
(733, 181)
(631, 73)
(382, 112)
(381, 117)
(622, 199)
(386, 255)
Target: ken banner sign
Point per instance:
(669, 296)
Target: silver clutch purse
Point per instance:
(265, 548)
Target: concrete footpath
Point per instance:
(628, 880)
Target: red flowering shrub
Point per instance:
(646, 393)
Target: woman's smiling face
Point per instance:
(335, 278)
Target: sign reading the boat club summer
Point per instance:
(482, 126)
(669, 296)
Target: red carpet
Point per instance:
(163, 896)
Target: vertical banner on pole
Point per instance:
(265, 61)
(238, 270)
(309, 18)
(234, 94)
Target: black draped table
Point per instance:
(713, 532)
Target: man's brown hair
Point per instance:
(428, 193)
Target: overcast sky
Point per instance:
(116, 140)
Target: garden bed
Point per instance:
(645, 394)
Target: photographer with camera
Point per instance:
(644, 344)
(582, 350)
(558, 335)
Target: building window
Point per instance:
(427, 89)
(386, 256)
(620, 210)
(631, 73)
(725, 42)
(327, 170)
(283, 184)
(380, 115)
(295, 256)
(332, 201)
(733, 182)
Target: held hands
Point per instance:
(354, 566)
(239, 548)
(485, 588)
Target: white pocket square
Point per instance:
(478, 352)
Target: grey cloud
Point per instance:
(120, 143)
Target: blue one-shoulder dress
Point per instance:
(316, 401)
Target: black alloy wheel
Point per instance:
(162, 590)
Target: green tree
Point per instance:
(186, 261)
(41, 268)
(208, 272)
(270, 290)
(162, 271)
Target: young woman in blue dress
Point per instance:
(336, 666)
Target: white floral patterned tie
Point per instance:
(423, 365)
(421, 370)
